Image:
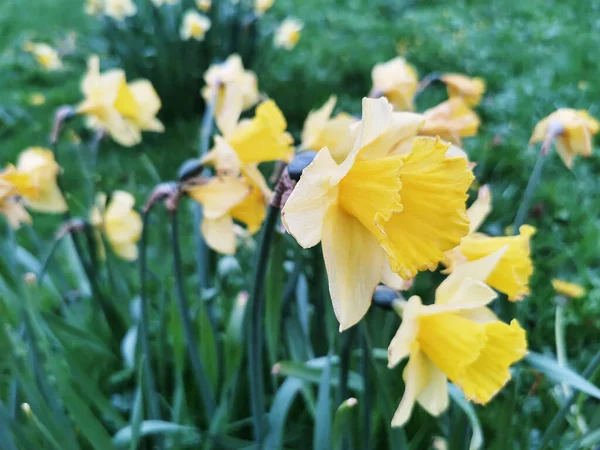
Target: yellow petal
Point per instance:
(126, 251)
(252, 210)
(416, 376)
(305, 209)
(571, 290)
(354, 263)
(229, 109)
(433, 396)
(219, 195)
(15, 212)
(480, 208)
(223, 157)
(393, 280)
(470, 89)
(433, 218)
(315, 123)
(451, 120)
(398, 81)
(149, 104)
(219, 234)
(401, 344)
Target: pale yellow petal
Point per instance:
(433, 396)
(401, 344)
(219, 234)
(219, 195)
(480, 208)
(416, 375)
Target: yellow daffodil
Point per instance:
(94, 7)
(224, 199)
(36, 99)
(13, 185)
(470, 89)
(408, 208)
(446, 341)
(45, 55)
(577, 128)
(288, 33)
(229, 83)
(397, 80)
(40, 167)
(247, 142)
(119, 10)
(511, 275)
(123, 110)
(571, 290)
(261, 6)
(204, 5)
(321, 130)
(119, 222)
(451, 120)
(194, 26)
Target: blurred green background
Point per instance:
(535, 56)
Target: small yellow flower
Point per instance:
(511, 275)
(45, 55)
(204, 5)
(37, 99)
(194, 26)
(224, 199)
(572, 290)
(261, 6)
(13, 185)
(288, 33)
(452, 340)
(470, 89)
(397, 80)
(321, 130)
(376, 206)
(40, 167)
(230, 84)
(123, 110)
(119, 222)
(451, 120)
(94, 7)
(578, 127)
(119, 10)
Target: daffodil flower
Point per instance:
(336, 133)
(123, 110)
(571, 290)
(194, 26)
(375, 209)
(452, 340)
(39, 165)
(451, 120)
(261, 6)
(119, 10)
(469, 89)
(13, 185)
(397, 81)
(119, 222)
(229, 82)
(224, 199)
(577, 128)
(45, 55)
(204, 5)
(288, 33)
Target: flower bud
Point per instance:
(384, 297)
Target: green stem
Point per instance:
(366, 400)
(255, 327)
(534, 179)
(559, 336)
(566, 407)
(143, 324)
(190, 337)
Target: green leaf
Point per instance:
(313, 374)
(341, 421)
(274, 297)
(138, 408)
(322, 433)
(280, 408)
(155, 427)
(459, 398)
(555, 372)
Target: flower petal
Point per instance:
(434, 394)
(415, 377)
(219, 195)
(480, 208)
(401, 344)
(219, 234)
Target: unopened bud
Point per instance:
(384, 297)
(299, 163)
(189, 169)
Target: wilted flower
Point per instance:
(451, 340)
(45, 55)
(123, 110)
(576, 130)
(397, 81)
(261, 6)
(120, 9)
(203, 5)
(224, 199)
(406, 209)
(288, 33)
(12, 185)
(470, 89)
(571, 290)
(451, 120)
(227, 81)
(119, 222)
(321, 130)
(194, 26)
(40, 167)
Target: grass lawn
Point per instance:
(535, 56)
